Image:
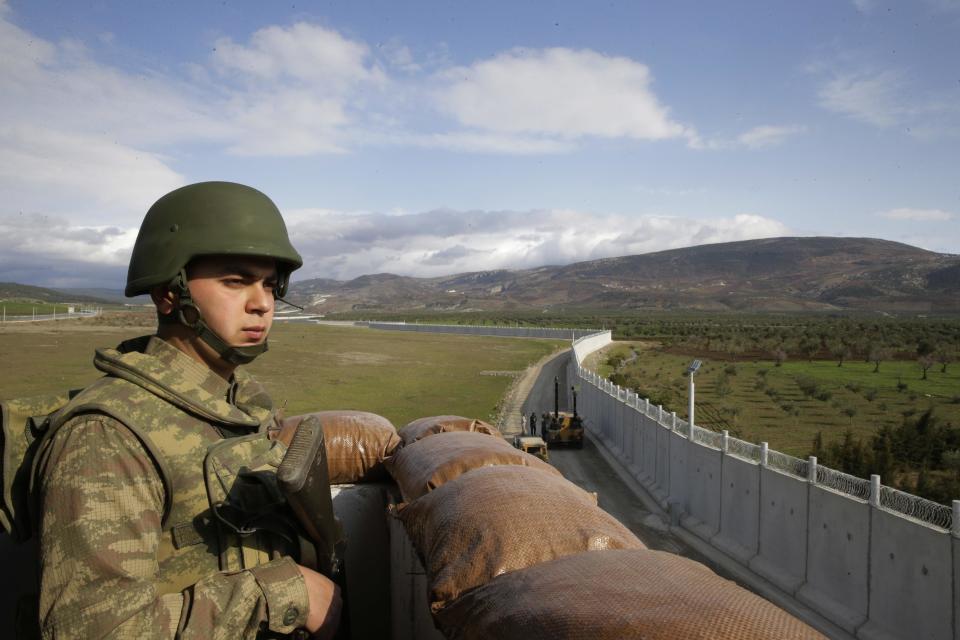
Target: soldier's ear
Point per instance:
(164, 299)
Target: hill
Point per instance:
(772, 274)
(13, 292)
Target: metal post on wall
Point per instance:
(692, 369)
(874, 490)
(812, 470)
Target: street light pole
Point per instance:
(692, 369)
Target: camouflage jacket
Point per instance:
(140, 482)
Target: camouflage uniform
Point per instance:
(140, 481)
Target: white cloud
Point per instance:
(399, 56)
(888, 98)
(345, 245)
(52, 250)
(304, 52)
(45, 167)
(874, 98)
(917, 215)
(865, 6)
(558, 92)
(767, 135)
(492, 143)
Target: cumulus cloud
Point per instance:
(918, 215)
(305, 52)
(335, 244)
(53, 251)
(560, 93)
(434, 243)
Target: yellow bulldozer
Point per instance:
(562, 427)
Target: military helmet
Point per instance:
(208, 218)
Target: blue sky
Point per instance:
(429, 138)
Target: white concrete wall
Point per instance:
(704, 498)
(782, 554)
(739, 509)
(873, 571)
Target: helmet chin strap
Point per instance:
(233, 355)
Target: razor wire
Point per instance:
(743, 449)
(708, 437)
(787, 464)
(843, 482)
(916, 507)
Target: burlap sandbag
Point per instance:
(429, 463)
(357, 443)
(617, 595)
(423, 427)
(494, 520)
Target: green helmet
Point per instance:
(203, 219)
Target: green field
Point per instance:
(763, 402)
(399, 375)
(29, 308)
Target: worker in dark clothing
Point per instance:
(533, 423)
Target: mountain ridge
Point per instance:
(770, 274)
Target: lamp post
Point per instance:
(692, 369)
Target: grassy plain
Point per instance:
(402, 376)
(764, 402)
(29, 308)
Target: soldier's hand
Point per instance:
(325, 604)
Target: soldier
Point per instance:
(158, 509)
(533, 423)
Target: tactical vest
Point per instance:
(222, 508)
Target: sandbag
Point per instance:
(423, 427)
(429, 463)
(494, 520)
(617, 595)
(357, 443)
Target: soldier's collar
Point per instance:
(171, 374)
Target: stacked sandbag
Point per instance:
(429, 463)
(423, 427)
(357, 444)
(498, 519)
(617, 595)
(515, 552)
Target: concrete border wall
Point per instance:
(872, 571)
(837, 547)
(482, 330)
(782, 552)
(705, 473)
(739, 509)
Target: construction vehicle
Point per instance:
(534, 445)
(562, 427)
